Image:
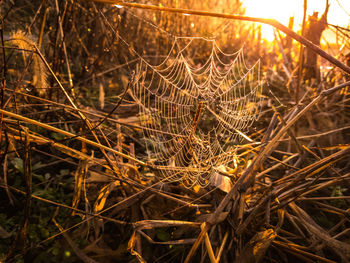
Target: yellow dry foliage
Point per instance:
(103, 195)
(39, 70)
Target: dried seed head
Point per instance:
(39, 71)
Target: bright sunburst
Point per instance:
(281, 10)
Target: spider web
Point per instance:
(195, 111)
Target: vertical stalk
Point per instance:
(64, 48)
(4, 72)
(42, 27)
(187, 151)
(301, 56)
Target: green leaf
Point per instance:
(39, 177)
(57, 136)
(162, 234)
(36, 166)
(18, 164)
(64, 172)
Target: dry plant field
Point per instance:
(173, 131)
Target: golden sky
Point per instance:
(281, 10)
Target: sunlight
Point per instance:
(281, 10)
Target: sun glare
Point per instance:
(281, 10)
